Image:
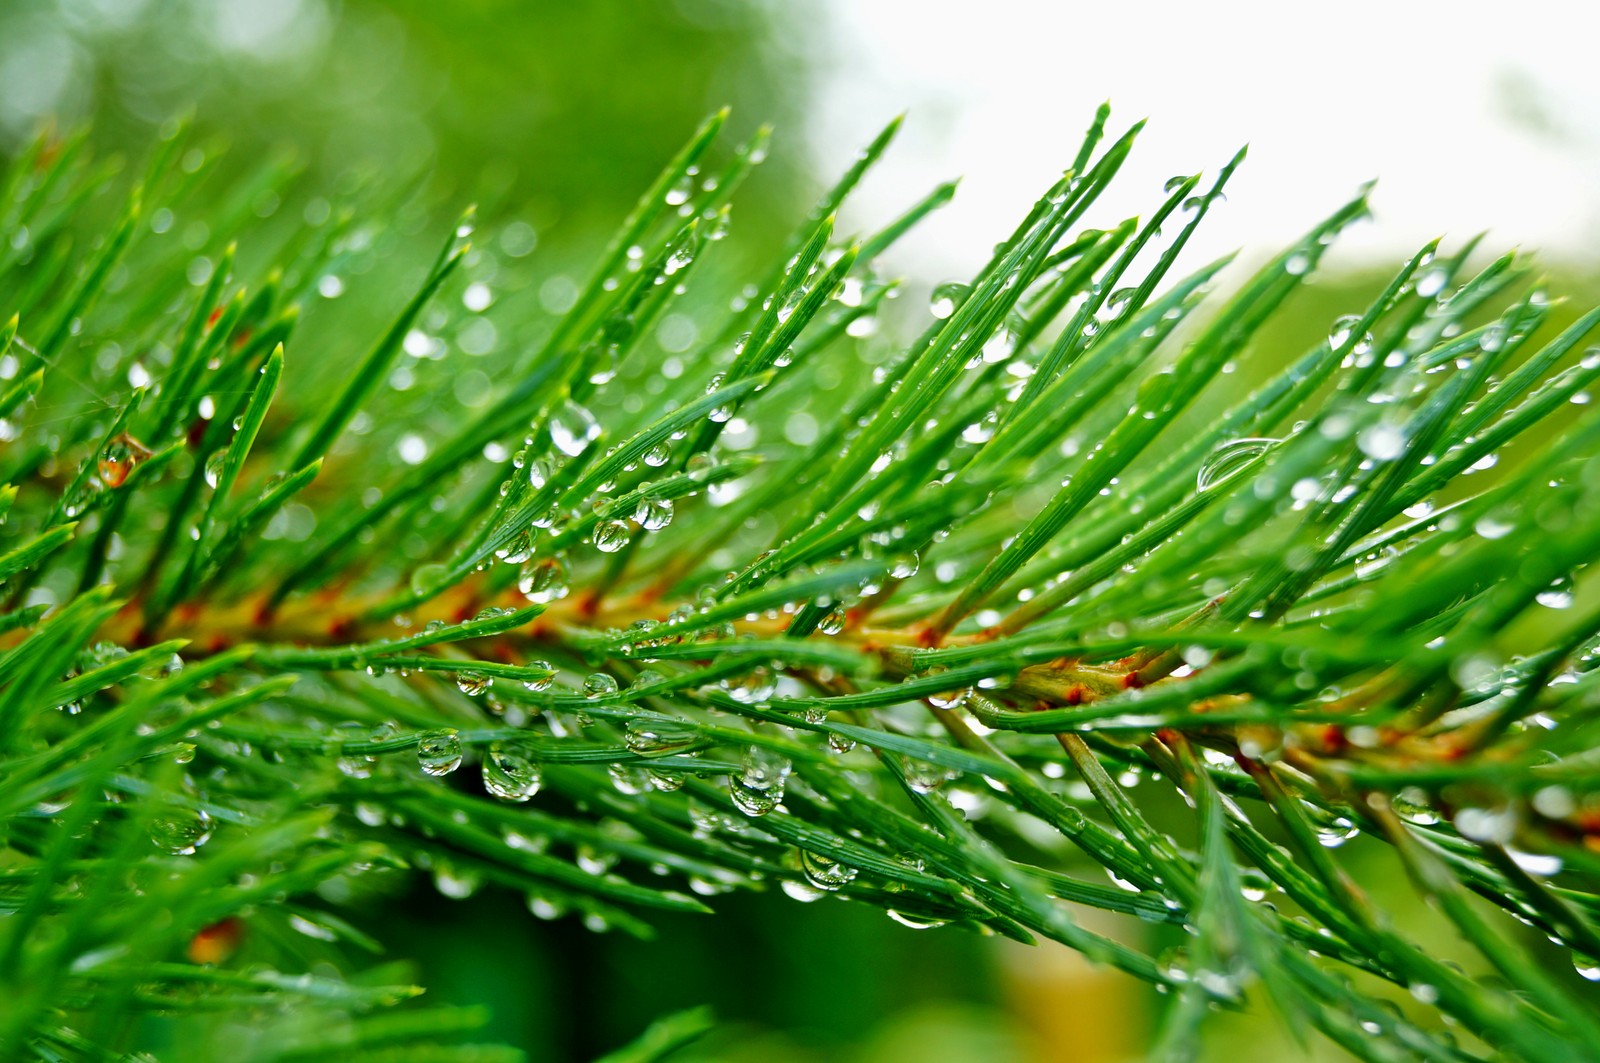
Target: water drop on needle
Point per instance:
(439, 752)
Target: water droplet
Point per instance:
(181, 831)
(1420, 510)
(824, 873)
(572, 428)
(1586, 966)
(681, 257)
(999, 347)
(905, 566)
(545, 908)
(1539, 865)
(653, 514)
(543, 581)
(1228, 458)
(1381, 442)
(629, 779)
(1336, 833)
(1558, 595)
(594, 861)
(787, 309)
(1431, 283)
(758, 788)
(751, 688)
(656, 737)
(1492, 527)
(355, 766)
(517, 551)
(439, 752)
(1554, 801)
(1369, 565)
(477, 297)
(945, 298)
(1343, 326)
(924, 778)
(680, 191)
(457, 885)
(799, 889)
(426, 577)
(599, 685)
(612, 535)
(473, 683)
(658, 455)
(1411, 805)
(213, 468)
(915, 922)
(949, 699)
(510, 774)
(981, 431)
(118, 459)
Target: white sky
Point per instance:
(1430, 98)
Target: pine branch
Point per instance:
(808, 603)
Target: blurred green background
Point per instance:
(557, 114)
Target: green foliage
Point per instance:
(936, 626)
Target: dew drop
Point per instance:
(599, 685)
(213, 468)
(751, 688)
(950, 699)
(612, 535)
(425, 578)
(182, 831)
(1381, 442)
(1342, 329)
(758, 788)
(473, 683)
(1431, 283)
(629, 779)
(1336, 833)
(1228, 458)
(1558, 595)
(457, 885)
(915, 922)
(119, 458)
(681, 257)
(572, 428)
(543, 581)
(905, 566)
(439, 752)
(924, 778)
(1490, 527)
(1368, 566)
(655, 738)
(510, 774)
(945, 298)
(1539, 865)
(824, 873)
(653, 514)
